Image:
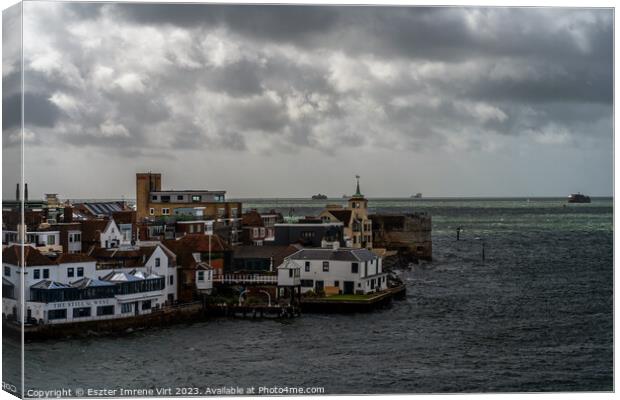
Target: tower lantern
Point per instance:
(358, 201)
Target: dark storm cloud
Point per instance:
(39, 111)
(188, 76)
(281, 23)
(240, 79)
(439, 33)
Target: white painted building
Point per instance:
(204, 278)
(46, 240)
(343, 270)
(112, 236)
(57, 286)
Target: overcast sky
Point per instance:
(282, 101)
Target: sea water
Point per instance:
(534, 315)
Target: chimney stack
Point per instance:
(17, 193)
(25, 192)
(68, 216)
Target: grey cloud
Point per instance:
(39, 111)
(240, 79)
(560, 70)
(285, 23)
(232, 140)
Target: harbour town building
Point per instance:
(339, 270)
(154, 202)
(357, 224)
(107, 284)
(309, 233)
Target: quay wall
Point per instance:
(330, 306)
(185, 313)
(409, 234)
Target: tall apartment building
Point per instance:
(152, 201)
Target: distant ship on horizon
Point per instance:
(319, 197)
(417, 196)
(578, 198)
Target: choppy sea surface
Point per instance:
(535, 315)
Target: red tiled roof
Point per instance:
(91, 229)
(191, 243)
(129, 258)
(124, 217)
(197, 242)
(12, 255)
(342, 215)
(73, 258)
(252, 218)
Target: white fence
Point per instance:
(249, 278)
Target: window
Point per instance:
(196, 198)
(307, 283)
(172, 279)
(366, 268)
(354, 268)
(158, 262)
(262, 232)
(51, 240)
(125, 308)
(325, 266)
(146, 305)
(198, 228)
(46, 274)
(290, 273)
(307, 266)
(151, 211)
(179, 197)
(7, 271)
(307, 234)
(75, 237)
(81, 312)
(201, 276)
(105, 310)
(37, 274)
(70, 272)
(165, 211)
(337, 283)
(153, 198)
(255, 232)
(80, 271)
(57, 314)
(191, 229)
(165, 199)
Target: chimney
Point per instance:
(17, 193)
(68, 215)
(26, 192)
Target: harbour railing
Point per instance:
(245, 278)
